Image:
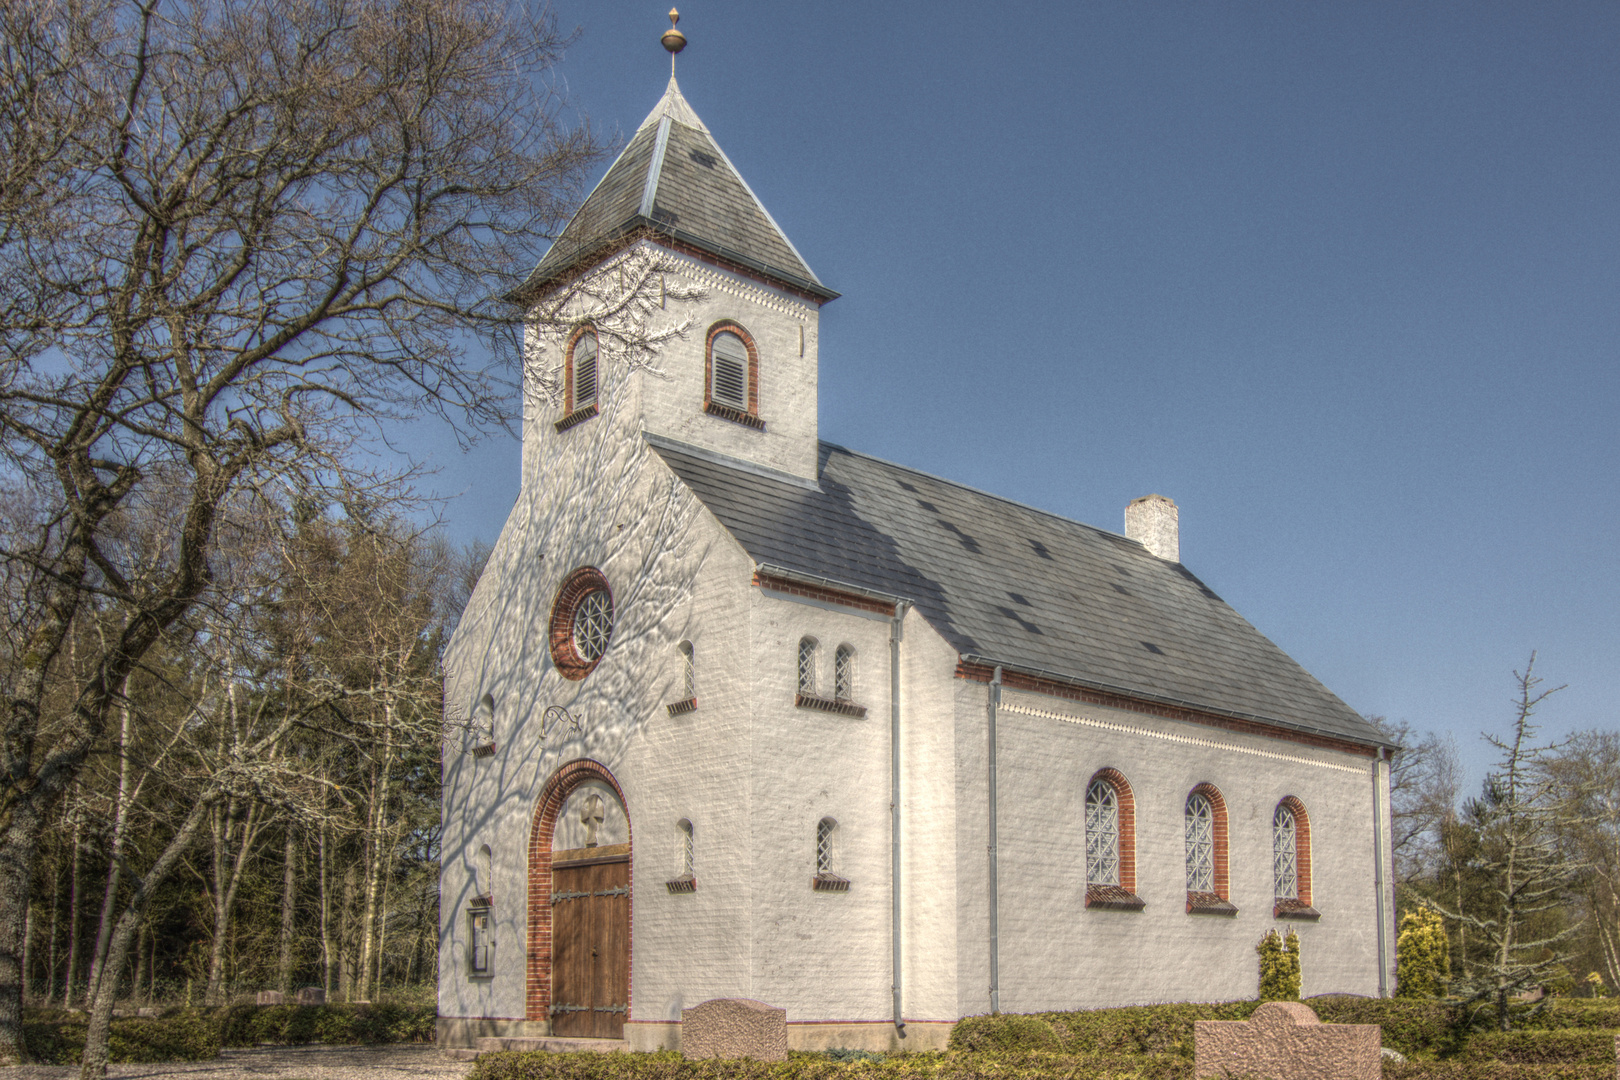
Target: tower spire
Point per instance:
(673, 40)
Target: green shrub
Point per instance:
(1141, 1029)
(1415, 1027)
(1493, 1070)
(1576, 1013)
(1279, 966)
(181, 1036)
(1006, 1031)
(1424, 955)
(348, 1025)
(1007, 1065)
(1541, 1047)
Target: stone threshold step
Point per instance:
(550, 1043)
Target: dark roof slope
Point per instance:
(1016, 585)
(673, 179)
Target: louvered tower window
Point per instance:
(1102, 834)
(1285, 854)
(1200, 844)
(728, 365)
(584, 365)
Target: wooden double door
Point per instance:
(590, 947)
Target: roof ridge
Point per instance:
(980, 491)
(674, 106)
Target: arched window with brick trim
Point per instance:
(1110, 827)
(731, 375)
(1291, 861)
(1208, 884)
(581, 371)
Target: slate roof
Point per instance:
(1015, 585)
(673, 179)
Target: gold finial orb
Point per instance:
(673, 39)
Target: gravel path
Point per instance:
(399, 1062)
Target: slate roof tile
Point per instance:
(1096, 607)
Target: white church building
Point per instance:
(747, 714)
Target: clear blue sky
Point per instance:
(1341, 279)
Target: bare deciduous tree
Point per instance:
(1517, 851)
(234, 235)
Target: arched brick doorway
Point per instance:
(579, 916)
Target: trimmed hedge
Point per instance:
(667, 1065)
(1542, 1047)
(1493, 1070)
(338, 1025)
(57, 1038)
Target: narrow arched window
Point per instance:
(1285, 854)
(1200, 821)
(1205, 820)
(582, 372)
(844, 674)
(1111, 843)
(824, 845)
(728, 371)
(807, 666)
(688, 671)
(1291, 860)
(687, 855)
(1102, 834)
(485, 884)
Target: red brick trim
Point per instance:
(1222, 837)
(1113, 898)
(575, 587)
(825, 882)
(684, 884)
(681, 708)
(568, 373)
(714, 408)
(1302, 862)
(484, 751)
(825, 595)
(1053, 688)
(1127, 827)
(537, 1005)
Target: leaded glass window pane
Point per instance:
(1200, 845)
(686, 847)
(844, 674)
(1102, 834)
(824, 844)
(593, 625)
(1284, 854)
(807, 667)
(688, 671)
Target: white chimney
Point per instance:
(1153, 520)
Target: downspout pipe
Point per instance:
(995, 917)
(1380, 855)
(896, 630)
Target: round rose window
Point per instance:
(581, 622)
